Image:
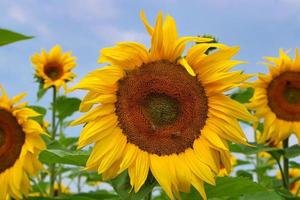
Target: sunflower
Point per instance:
(54, 68)
(20, 144)
(156, 110)
(277, 98)
(294, 175)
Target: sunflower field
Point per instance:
(161, 121)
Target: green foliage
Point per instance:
(66, 106)
(239, 188)
(122, 186)
(231, 188)
(101, 194)
(254, 149)
(41, 110)
(7, 37)
(243, 95)
(52, 156)
(292, 151)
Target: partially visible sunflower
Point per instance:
(54, 68)
(20, 144)
(294, 175)
(277, 98)
(157, 109)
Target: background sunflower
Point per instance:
(54, 68)
(277, 98)
(20, 144)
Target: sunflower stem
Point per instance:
(149, 196)
(286, 165)
(281, 171)
(53, 134)
(258, 161)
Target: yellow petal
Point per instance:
(146, 23)
(138, 171)
(157, 39)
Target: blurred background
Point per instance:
(260, 28)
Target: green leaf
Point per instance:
(122, 186)
(292, 151)
(41, 110)
(244, 173)
(243, 95)
(239, 188)
(101, 194)
(66, 106)
(7, 37)
(51, 156)
(248, 150)
(267, 195)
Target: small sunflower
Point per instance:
(161, 111)
(54, 68)
(277, 98)
(20, 144)
(294, 175)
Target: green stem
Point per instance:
(149, 196)
(281, 172)
(79, 183)
(53, 134)
(286, 164)
(60, 124)
(258, 161)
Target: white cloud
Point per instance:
(21, 13)
(112, 35)
(92, 9)
(18, 14)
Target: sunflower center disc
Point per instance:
(284, 96)
(161, 108)
(53, 70)
(1, 137)
(12, 139)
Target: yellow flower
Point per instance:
(293, 174)
(277, 98)
(54, 68)
(20, 144)
(223, 171)
(157, 109)
(64, 189)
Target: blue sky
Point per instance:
(259, 27)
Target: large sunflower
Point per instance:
(54, 68)
(277, 98)
(158, 110)
(20, 144)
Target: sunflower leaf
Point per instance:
(7, 37)
(240, 187)
(51, 156)
(122, 186)
(243, 95)
(237, 188)
(41, 110)
(66, 106)
(292, 151)
(256, 148)
(100, 194)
